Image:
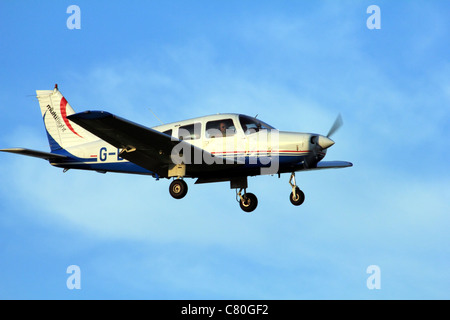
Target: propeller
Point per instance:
(336, 126)
(323, 143)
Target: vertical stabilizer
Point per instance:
(61, 132)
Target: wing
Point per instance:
(146, 147)
(333, 165)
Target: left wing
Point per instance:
(143, 146)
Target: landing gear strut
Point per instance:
(297, 196)
(247, 201)
(178, 188)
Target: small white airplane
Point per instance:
(214, 148)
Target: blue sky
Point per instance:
(296, 64)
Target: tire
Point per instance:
(299, 199)
(178, 189)
(250, 202)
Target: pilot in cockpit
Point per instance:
(223, 128)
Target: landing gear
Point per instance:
(297, 196)
(178, 188)
(247, 201)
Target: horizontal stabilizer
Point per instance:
(34, 153)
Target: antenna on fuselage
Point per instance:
(155, 116)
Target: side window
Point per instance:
(220, 128)
(168, 132)
(190, 131)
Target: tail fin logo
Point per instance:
(63, 107)
(55, 116)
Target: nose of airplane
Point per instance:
(325, 142)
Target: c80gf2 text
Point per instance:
(242, 309)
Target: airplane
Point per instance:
(226, 147)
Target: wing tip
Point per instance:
(334, 164)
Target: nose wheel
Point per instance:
(297, 197)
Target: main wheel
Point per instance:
(249, 202)
(178, 188)
(299, 197)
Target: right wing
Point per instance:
(332, 165)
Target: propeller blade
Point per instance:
(336, 125)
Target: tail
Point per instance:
(61, 132)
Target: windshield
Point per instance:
(251, 125)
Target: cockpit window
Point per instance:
(252, 125)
